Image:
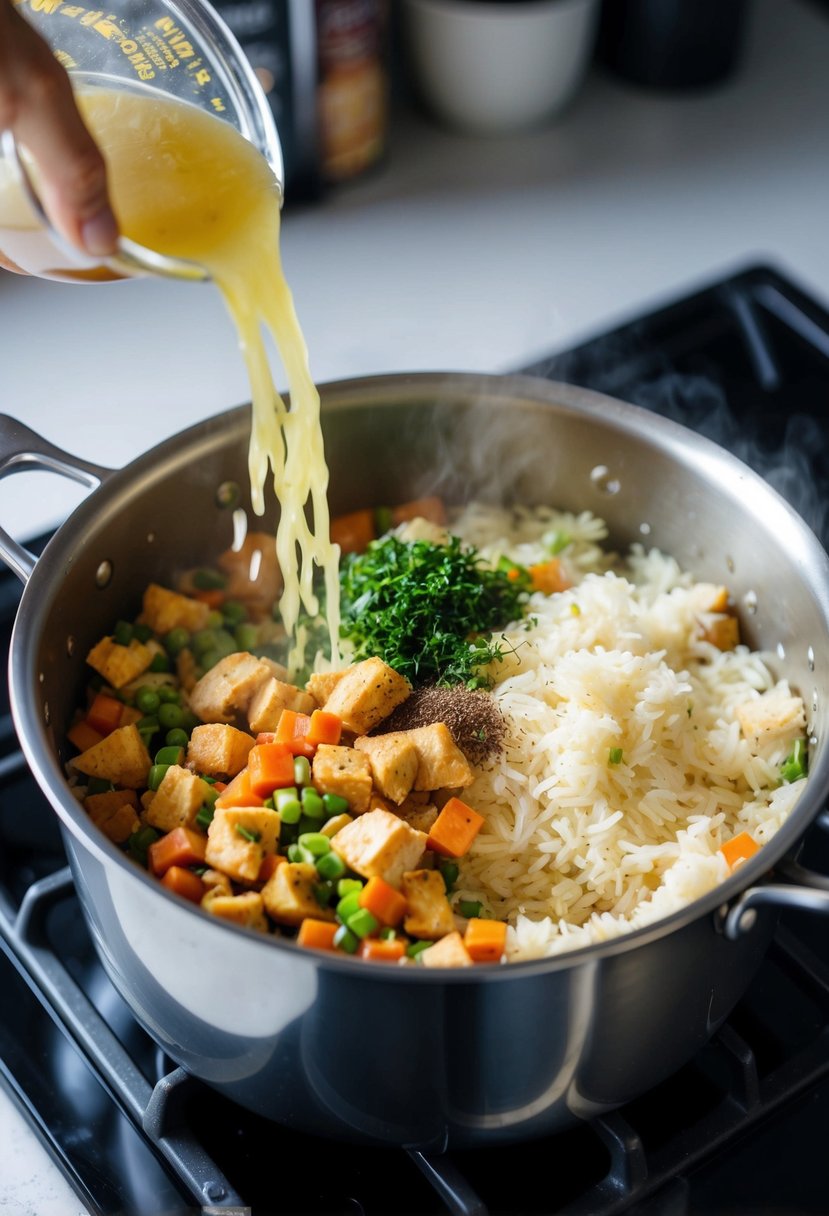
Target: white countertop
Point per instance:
(460, 254)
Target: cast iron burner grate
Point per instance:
(737, 1130)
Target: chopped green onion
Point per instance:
(312, 804)
(140, 841)
(470, 907)
(614, 756)
(417, 948)
(386, 933)
(323, 892)
(168, 694)
(348, 905)
(248, 833)
(346, 886)
(449, 871)
(362, 922)
(795, 765)
(344, 939)
(315, 842)
(156, 775)
(302, 770)
(334, 805)
(204, 818)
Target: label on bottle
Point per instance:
(353, 85)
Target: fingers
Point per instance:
(37, 105)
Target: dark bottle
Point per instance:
(672, 44)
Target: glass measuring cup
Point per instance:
(176, 48)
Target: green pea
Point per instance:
(156, 775)
(169, 715)
(344, 939)
(330, 866)
(170, 755)
(362, 922)
(142, 633)
(315, 842)
(290, 810)
(177, 738)
(233, 613)
(312, 803)
(176, 640)
(334, 804)
(147, 700)
(246, 636)
(160, 663)
(168, 694)
(123, 633)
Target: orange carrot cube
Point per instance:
(184, 883)
(181, 847)
(739, 849)
(104, 714)
(324, 728)
(455, 828)
(382, 900)
(485, 939)
(238, 792)
(318, 934)
(270, 767)
(383, 950)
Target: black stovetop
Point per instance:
(740, 1129)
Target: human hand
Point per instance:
(37, 105)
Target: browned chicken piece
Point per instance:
(274, 695)
(289, 894)
(115, 812)
(118, 665)
(419, 815)
(771, 715)
(322, 683)
(224, 693)
(178, 800)
(448, 952)
(253, 573)
(428, 911)
(240, 838)
(164, 610)
(216, 883)
(380, 843)
(343, 771)
(394, 761)
(720, 630)
(246, 909)
(441, 763)
(366, 694)
(121, 758)
(218, 749)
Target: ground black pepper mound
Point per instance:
(471, 715)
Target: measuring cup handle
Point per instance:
(21, 450)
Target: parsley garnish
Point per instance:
(427, 610)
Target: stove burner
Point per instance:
(737, 1130)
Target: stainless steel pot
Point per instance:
(421, 1058)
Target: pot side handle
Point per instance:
(804, 889)
(21, 450)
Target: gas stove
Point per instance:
(740, 1129)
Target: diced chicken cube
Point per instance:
(119, 664)
(164, 610)
(321, 684)
(419, 815)
(772, 715)
(178, 800)
(218, 749)
(448, 952)
(121, 758)
(225, 692)
(366, 694)
(115, 812)
(343, 771)
(380, 843)
(239, 839)
(442, 763)
(720, 630)
(428, 912)
(216, 883)
(246, 909)
(289, 894)
(253, 572)
(394, 761)
(267, 703)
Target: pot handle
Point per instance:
(21, 450)
(802, 888)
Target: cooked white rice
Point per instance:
(575, 848)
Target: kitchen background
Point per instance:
(456, 250)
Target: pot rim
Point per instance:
(393, 390)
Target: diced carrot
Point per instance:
(270, 767)
(324, 728)
(485, 939)
(238, 792)
(265, 736)
(214, 597)
(83, 736)
(292, 731)
(353, 532)
(104, 714)
(454, 829)
(430, 508)
(383, 901)
(549, 577)
(319, 934)
(382, 950)
(269, 864)
(181, 847)
(185, 883)
(739, 849)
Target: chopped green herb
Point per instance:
(796, 764)
(615, 755)
(555, 541)
(204, 818)
(248, 833)
(427, 609)
(470, 907)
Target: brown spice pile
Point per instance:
(471, 716)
